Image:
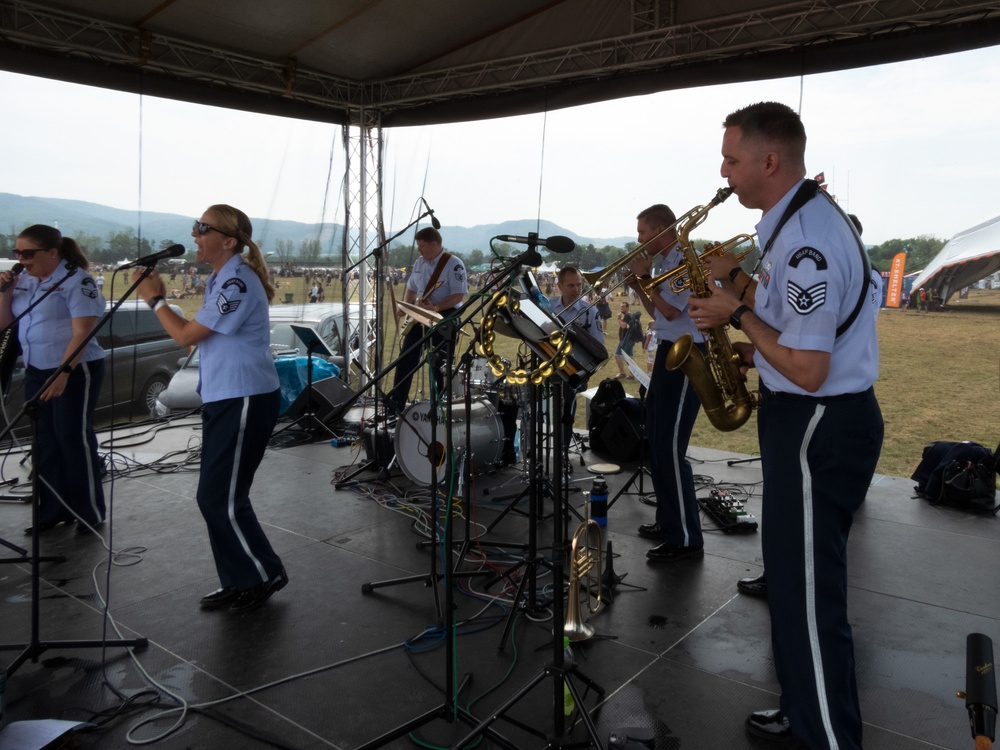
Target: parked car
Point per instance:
(325, 318)
(140, 359)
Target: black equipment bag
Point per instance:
(615, 423)
(959, 475)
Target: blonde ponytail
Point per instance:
(237, 225)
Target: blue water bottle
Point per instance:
(599, 501)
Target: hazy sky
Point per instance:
(911, 148)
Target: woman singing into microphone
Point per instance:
(69, 304)
(239, 388)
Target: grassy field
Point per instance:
(939, 377)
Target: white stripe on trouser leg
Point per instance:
(810, 573)
(232, 490)
(677, 464)
(91, 483)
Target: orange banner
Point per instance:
(895, 287)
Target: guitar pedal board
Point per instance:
(728, 513)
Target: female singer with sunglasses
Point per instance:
(69, 304)
(240, 390)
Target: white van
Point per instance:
(7, 263)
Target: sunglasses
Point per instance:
(29, 253)
(202, 229)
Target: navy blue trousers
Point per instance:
(235, 433)
(818, 457)
(65, 451)
(671, 409)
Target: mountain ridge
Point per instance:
(77, 217)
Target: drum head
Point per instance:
(422, 459)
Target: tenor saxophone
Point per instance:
(715, 376)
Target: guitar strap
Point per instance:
(442, 262)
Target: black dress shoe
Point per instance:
(652, 531)
(219, 598)
(770, 725)
(671, 552)
(252, 598)
(753, 586)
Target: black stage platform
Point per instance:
(329, 666)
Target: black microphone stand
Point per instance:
(470, 307)
(560, 673)
(377, 460)
(35, 646)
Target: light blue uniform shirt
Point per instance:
(810, 281)
(671, 330)
(46, 331)
(590, 321)
(235, 360)
(452, 278)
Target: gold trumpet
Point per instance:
(599, 277)
(582, 563)
(680, 279)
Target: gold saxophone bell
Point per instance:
(582, 565)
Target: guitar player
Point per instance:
(438, 283)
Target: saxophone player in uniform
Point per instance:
(671, 403)
(813, 340)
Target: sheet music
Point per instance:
(639, 372)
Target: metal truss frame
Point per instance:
(657, 41)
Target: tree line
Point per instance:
(125, 245)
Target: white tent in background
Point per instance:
(548, 268)
(968, 257)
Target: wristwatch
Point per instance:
(734, 319)
(734, 273)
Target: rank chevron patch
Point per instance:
(804, 301)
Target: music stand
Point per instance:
(308, 421)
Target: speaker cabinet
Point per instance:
(328, 400)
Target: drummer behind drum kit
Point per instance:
(495, 403)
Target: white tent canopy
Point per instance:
(968, 257)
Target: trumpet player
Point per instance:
(671, 403)
(812, 339)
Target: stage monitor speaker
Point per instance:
(328, 400)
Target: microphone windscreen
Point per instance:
(560, 244)
(17, 268)
(176, 251)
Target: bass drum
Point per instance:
(420, 461)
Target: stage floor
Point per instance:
(330, 662)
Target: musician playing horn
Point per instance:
(438, 283)
(813, 341)
(671, 403)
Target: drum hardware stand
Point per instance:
(641, 471)
(36, 647)
(560, 673)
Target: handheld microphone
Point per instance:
(434, 219)
(174, 251)
(556, 243)
(15, 271)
